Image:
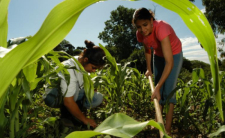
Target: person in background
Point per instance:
(159, 36)
(91, 59)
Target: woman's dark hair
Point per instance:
(94, 54)
(142, 14)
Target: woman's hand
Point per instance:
(73, 108)
(156, 94)
(148, 73)
(91, 122)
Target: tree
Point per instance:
(68, 48)
(139, 58)
(120, 33)
(221, 48)
(187, 64)
(215, 13)
(222, 66)
(65, 46)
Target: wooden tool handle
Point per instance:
(157, 107)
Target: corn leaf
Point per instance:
(197, 74)
(56, 26)
(220, 130)
(3, 32)
(3, 22)
(119, 125)
(199, 25)
(30, 72)
(110, 59)
(2, 116)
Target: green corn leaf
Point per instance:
(34, 84)
(91, 92)
(197, 73)
(13, 97)
(83, 134)
(88, 84)
(186, 91)
(43, 66)
(51, 33)
(30, 72)
(2, 116)
(16, 110)
(103, 79)
(119, 125)
(14, 82)
(199, 25)
(221, 75)
(220, 130)
(3, 10)
(88, 87)
(4, 22)
(50, 121)
(3, 32)
(26, 89)
(111, 60)
(208, 87)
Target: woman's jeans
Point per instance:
(171, 81)
(96, 100)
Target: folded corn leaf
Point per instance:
(119, 125)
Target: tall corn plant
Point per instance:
(21, 91)
(51, 33)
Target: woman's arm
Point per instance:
(73, 108)
(168, 55)
(69, 102)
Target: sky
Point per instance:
(25, 17)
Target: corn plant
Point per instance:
(114, 85)
(139, 85)
(20, 94)
(196, 107)
(121, 83)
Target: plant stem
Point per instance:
(11, 128)
(17, 122)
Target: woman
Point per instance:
(91, 59)
(168, 56)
